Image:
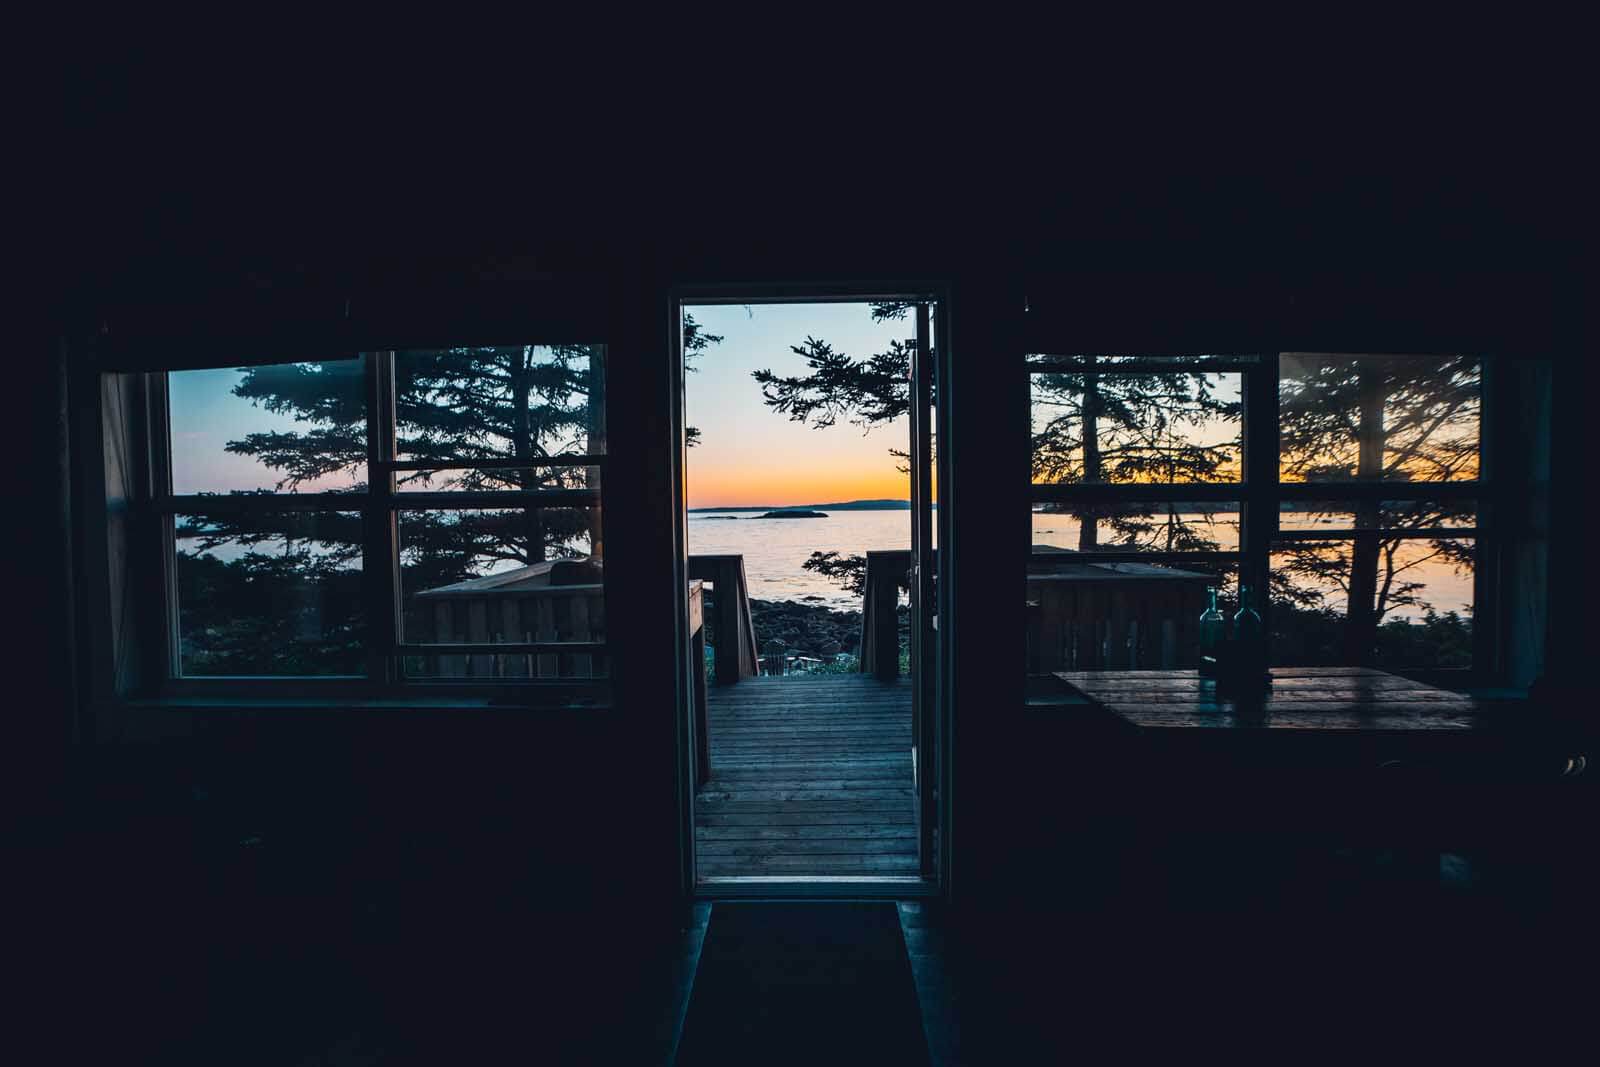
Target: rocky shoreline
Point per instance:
(809, 629)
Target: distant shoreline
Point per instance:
(848, 505)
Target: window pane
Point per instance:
(290, 427)
(1417, 597)
(475, 403)
(469, 576)
(1117, 616)
(1385, 515)
(1146, 527)
(1130, 428)
(276, 594)
(1406, 418)
(466, 480)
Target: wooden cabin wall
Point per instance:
(1044, 802)
(44, 687)
(540, 841)
(520, 828)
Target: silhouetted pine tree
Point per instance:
(1378, 418)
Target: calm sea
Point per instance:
(775, 549)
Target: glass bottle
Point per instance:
(1210, 636)
(1248, 639)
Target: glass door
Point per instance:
(924, 601)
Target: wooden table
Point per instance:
(1315, 726)
(1340, 756)
(1330, 748)
(1318, 699)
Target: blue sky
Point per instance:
(205, 416)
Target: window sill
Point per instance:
(406, 704)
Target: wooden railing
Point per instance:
(880, 621)
(735, 650)
(1082, 615)
(1106, 616)
(547, 613)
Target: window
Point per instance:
(270, 593)
(1377, 544)
(1345, 487)
(423, 518)
(1137, 469)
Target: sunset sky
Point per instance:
(750, 455)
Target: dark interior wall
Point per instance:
(43, 577)
(378, 850)
(361, 824)
(1036, 789)
(309, 306)
(1573, 385)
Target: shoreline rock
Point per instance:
(809, 629)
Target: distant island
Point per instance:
(847, 505)
(794, 513)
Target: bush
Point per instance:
(1437, 641)
(1308, 637)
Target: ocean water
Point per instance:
(775, 549)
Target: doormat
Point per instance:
(826, 983)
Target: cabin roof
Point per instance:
(1079, 566)
(534, 576)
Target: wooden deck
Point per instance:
(811, 776)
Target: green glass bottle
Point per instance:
(1210, 636)
(1249, 640)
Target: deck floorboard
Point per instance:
(810, 776)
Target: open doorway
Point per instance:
(808, 475)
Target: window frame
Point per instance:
(380, 506)
(1260, 493)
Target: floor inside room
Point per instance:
(1366, 954)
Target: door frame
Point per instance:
(934, 884)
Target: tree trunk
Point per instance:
(1088, 520)
(1361, 615)
(522, 448)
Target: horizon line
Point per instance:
(791, 507)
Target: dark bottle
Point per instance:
(1210, 636)
(1249, 639)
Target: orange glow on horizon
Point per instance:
(734, 488)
